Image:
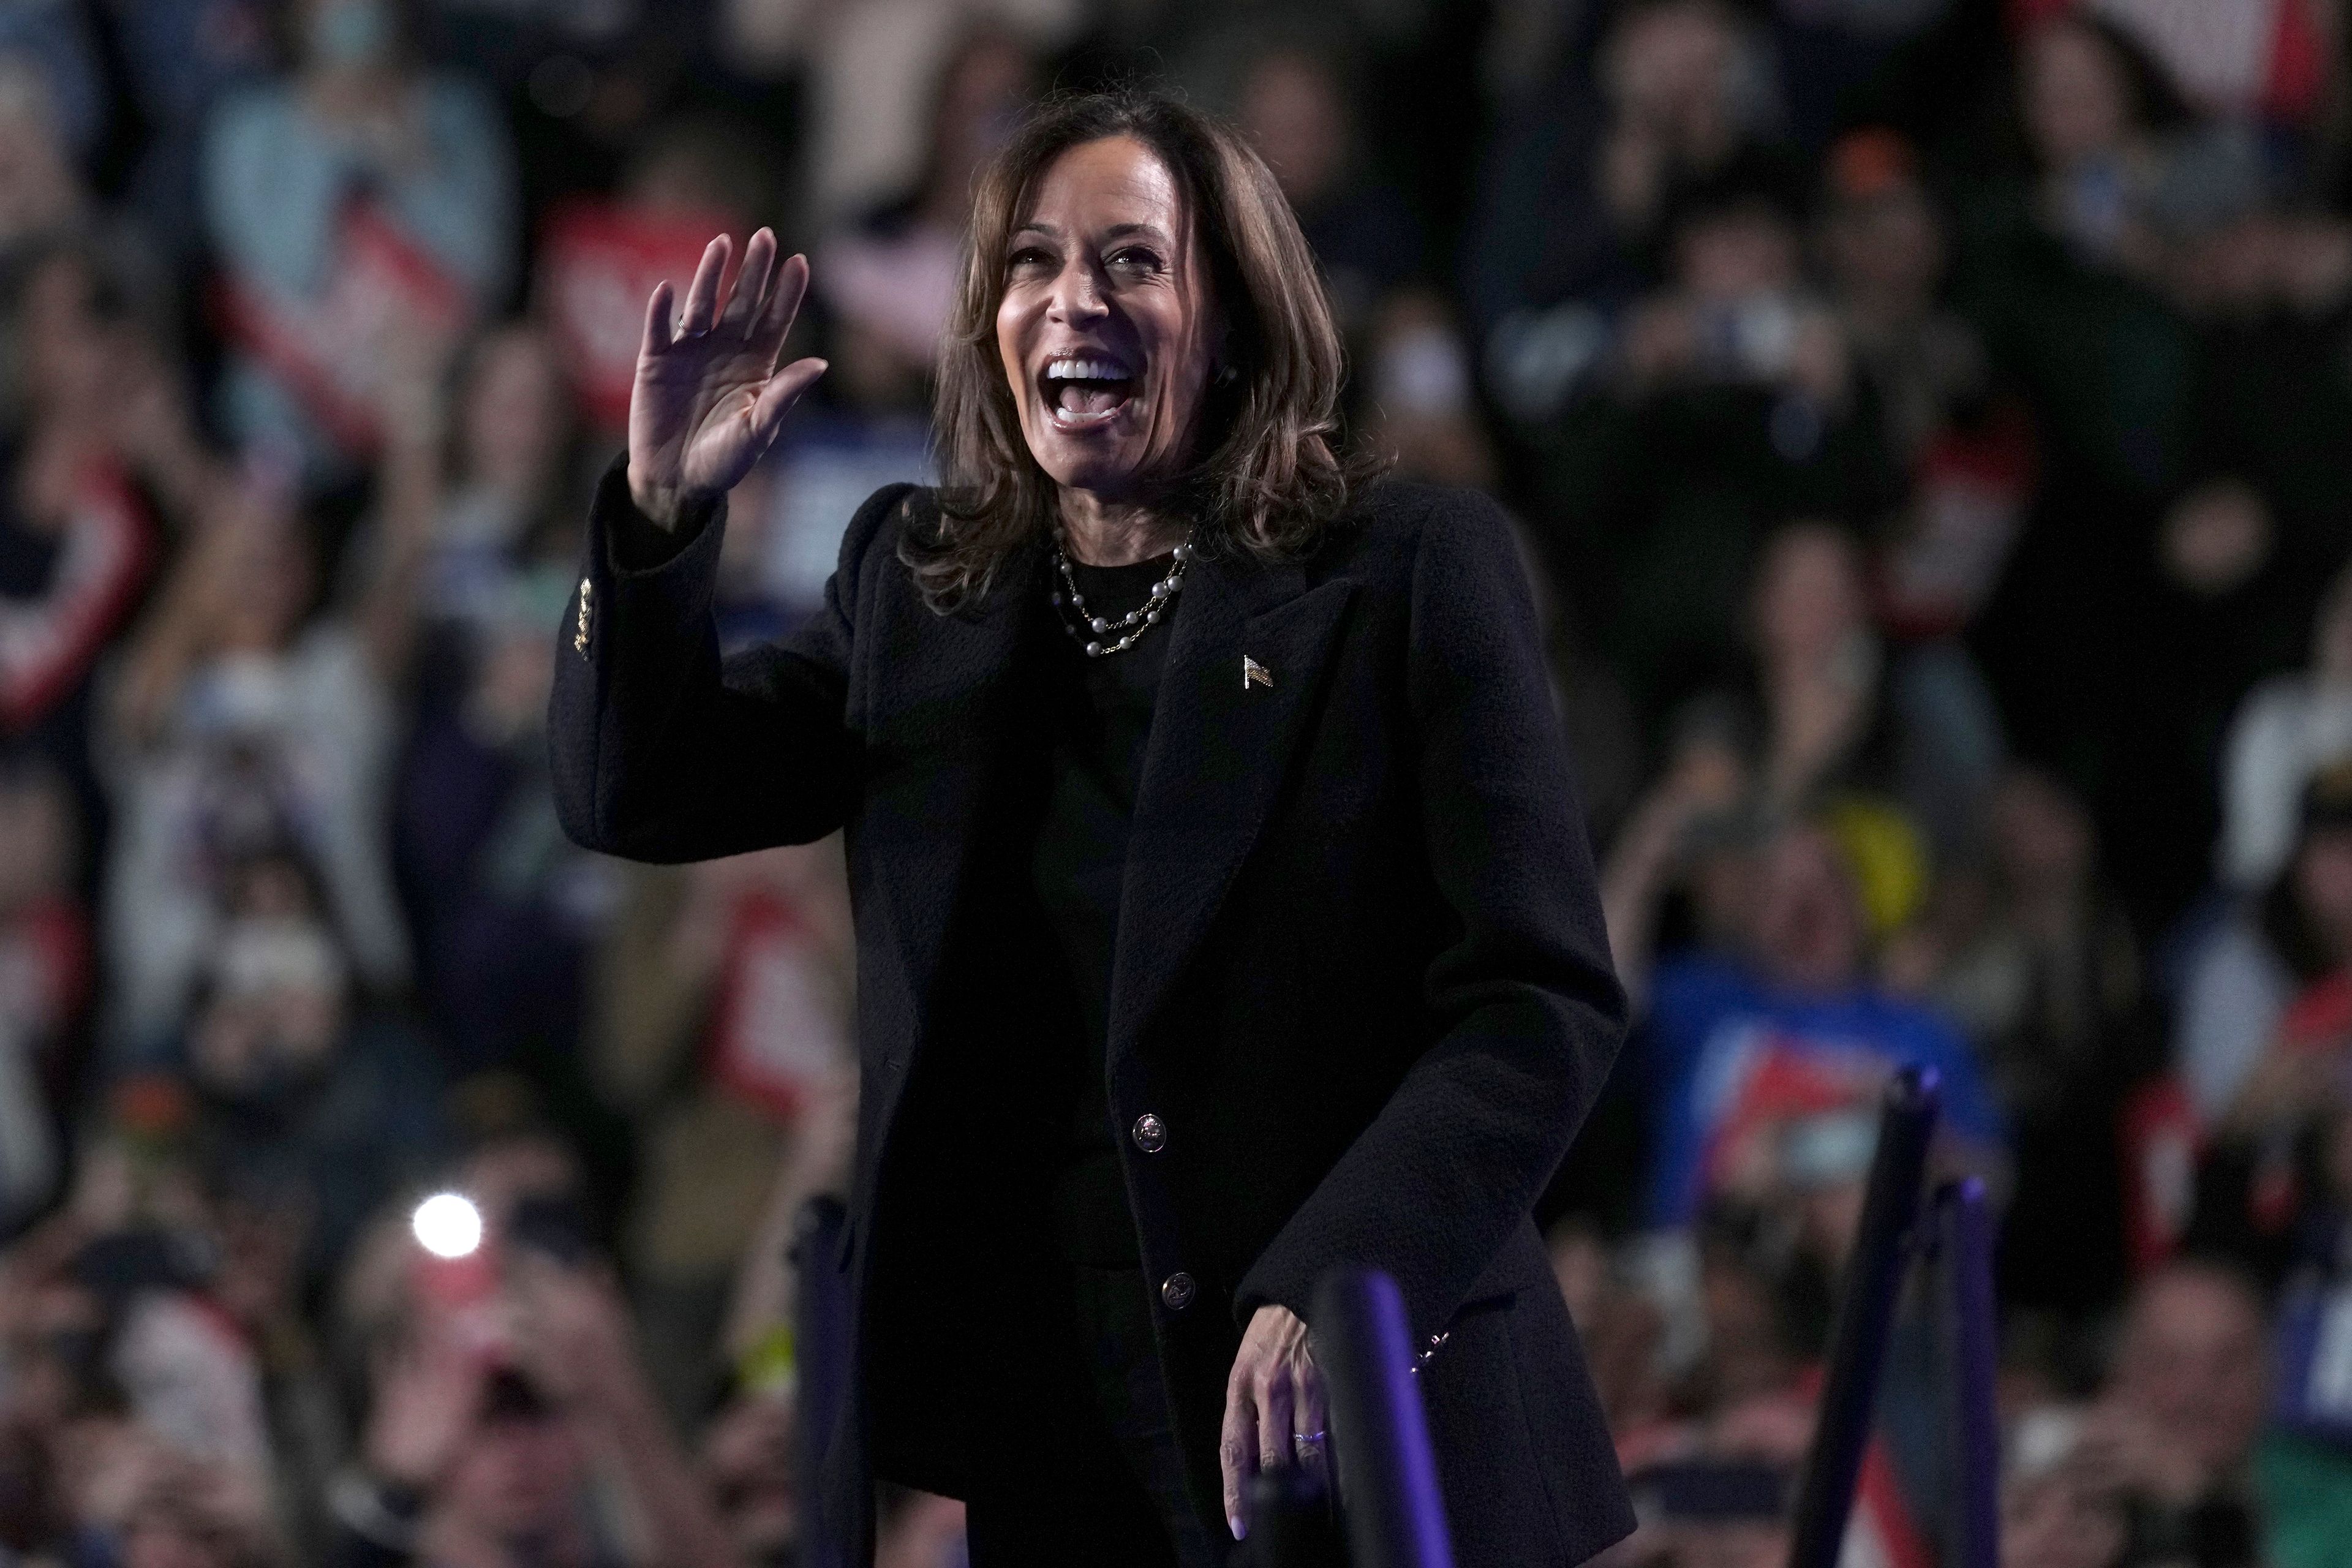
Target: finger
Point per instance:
(783, 304)
(702, 294)
(1312, 1419)
(1274, 1405)
(776, 398)
(752, 282)
(658, 305)
(1237, 1453)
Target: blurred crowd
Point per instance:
(1928, 422)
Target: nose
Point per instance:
(1078, 298)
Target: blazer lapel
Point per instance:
(1243, 672)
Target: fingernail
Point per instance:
(1239, 1529)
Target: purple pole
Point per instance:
(820, 1357)
(1966, 1226)
(1387, 1481)
(1865, 1313)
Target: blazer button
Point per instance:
(1176, 1290)
(1150, 1133)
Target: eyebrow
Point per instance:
(1115, 231)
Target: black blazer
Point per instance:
(1360, 976)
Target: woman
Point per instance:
(1224, 911)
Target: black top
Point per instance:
(1097, 718)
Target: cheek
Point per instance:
(1012, 329)
(1182, 359)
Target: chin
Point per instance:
(1100, 478)
(1103, 463)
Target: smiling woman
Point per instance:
(1200, 366)
(1225, 915)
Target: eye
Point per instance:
(1136, 258)
(1029, 258)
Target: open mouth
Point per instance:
(1086, 389)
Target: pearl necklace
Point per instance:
(1088, 629)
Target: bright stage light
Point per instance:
(447, 1225)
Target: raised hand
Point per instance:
(428, 1398)
(708, 399)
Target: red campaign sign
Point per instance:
(1969, 493)
(2162, 1143)
(1783, 1079)
(598, 262)
(48, 643)
(333, 347)
(2229, 56)
(779, 1029)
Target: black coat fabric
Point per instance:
(1360, 974)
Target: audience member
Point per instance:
(494, 1423)
(41, 193)
(2245, 977)
(46, 967)
(1295, 106)
(241, 716)
(2037, 964)
(359, 202)
(307, 1093)
(1881, 243)
(873, 75)
(52, 38)
(1573, 198)
(100, 431)
(890, 276)
(2174, 1432)
(179, 59)
(1766, 1066)
(2285, 731)
(1730, 409)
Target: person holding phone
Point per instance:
(1224, 912)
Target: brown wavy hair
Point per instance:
(1267, 475)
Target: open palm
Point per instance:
(708, 399)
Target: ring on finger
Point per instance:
(1306, 1445)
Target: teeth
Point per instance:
(1071, 368)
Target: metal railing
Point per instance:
(1964, 1243)
(821, 1358)
(1874, 1277)
(1394, 1512)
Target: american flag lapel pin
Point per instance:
(1255, 674)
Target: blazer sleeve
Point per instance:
(1529, 1011)
(661, 749)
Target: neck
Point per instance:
(1104, 532)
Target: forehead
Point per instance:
(1102, 185)
(2189, 1307)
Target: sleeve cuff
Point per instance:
(635, 543)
